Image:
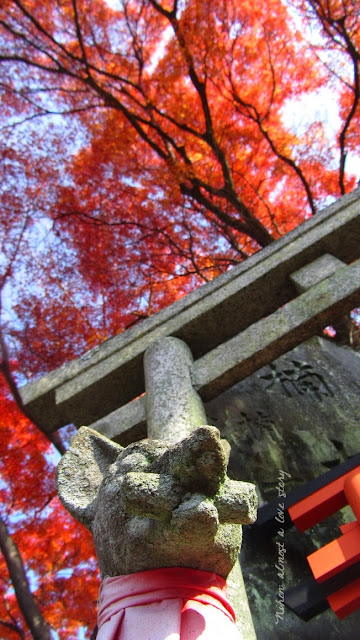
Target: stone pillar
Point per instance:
(174, 409)
(239, 600)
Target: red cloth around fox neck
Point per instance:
(174, 603)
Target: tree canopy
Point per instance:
(146, 148)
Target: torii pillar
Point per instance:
(165, 518)
(174, 409)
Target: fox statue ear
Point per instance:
(81, 470)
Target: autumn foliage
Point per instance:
(55, 550)
(146, 148)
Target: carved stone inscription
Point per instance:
(297, 378)
(257, 424)
(301, 414)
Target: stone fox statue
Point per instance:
(152, 507)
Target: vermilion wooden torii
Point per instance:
(336, 567)
(344, 552)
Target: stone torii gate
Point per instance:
(231, 327)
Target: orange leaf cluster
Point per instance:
(56, 551)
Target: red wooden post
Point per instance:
(343, 552)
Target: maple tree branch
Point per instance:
(114, 103)
(13, 125)
(14, 624)
(108, 98)
(167, 139)
(183, 126)
(14, 627)
(256, 189)
(188, 255)
(198, 271)
(291, 163)
(200, 87)
(136, 46)
(41, 29)
(54, 437)
(79, 34)
(147, 231)
(355, 57)
(32, 63)
(335, 28)
(13, 257)
(226, 232)
(332, 71)
(143, 126)
(34, 619)
(59, 67)
(250, 227)
(253, 114)
(165, 12)
(65, 53)
(325, 19)
(209, 134)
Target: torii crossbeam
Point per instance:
(234, 325)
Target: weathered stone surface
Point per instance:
(301, 415)
(233, 502)
(107, 377)
(126, 424)
(239, 600)
(333, 290)
(174, 410)
(81, 472)
(315, 272)
(173, 407)
(153, 505)
(264, 341)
